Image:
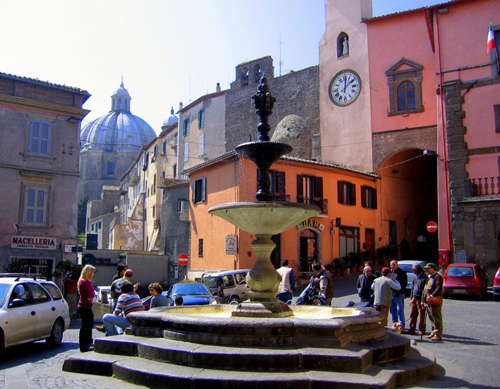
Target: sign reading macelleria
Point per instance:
(33, 242)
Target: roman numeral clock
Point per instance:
(345, 87)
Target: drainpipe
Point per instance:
(443, 130)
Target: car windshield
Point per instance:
(3, 292)
(211, 282)
(190, 289)
(460, 272)
(406, 268)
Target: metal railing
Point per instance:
(484, 186)
(321, 203)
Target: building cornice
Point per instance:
(78, 113)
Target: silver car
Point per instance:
(31, 310)
(229, 286)
(406, 266)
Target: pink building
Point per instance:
(428, 94)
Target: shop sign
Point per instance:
(32, 242)
(231, 245)
(311, 223)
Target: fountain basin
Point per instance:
(214, 325)
(264, 217)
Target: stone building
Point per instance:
(109, 145)
(40, 123)
(421, 111)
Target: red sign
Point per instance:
(432, 226)
(183, 259)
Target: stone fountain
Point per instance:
(263, 343)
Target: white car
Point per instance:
(31, 310)
(406, 266)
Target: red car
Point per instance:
(496, 286)
(465, 279)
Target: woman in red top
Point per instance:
(86, 291)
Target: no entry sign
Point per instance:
(183, 259)
(432, 226)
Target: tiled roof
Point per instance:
(412, 10)
(45, 83)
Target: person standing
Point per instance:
(364, 285)
(434, 288)
(87, 294)
(398, 296)
(416, 307)
(382, 292)
(128, 302)
(120, 271)
(158, 300)
(116, 285)
(287, 284)
(325, 284)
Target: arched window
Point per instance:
(342, 45)
(406, 96)
(258, 73)
(246, 76)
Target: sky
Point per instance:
(166, 51)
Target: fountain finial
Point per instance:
(264, 102)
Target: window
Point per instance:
(153, 188)
(277, 185)
(153, 210)
(405, 87)
(201, 118)
(35, 206)
(406, 96)
(174, 170)
(182, 205)
(348, 240)
(368, 197)
(201, 145)
(346, 193)
(495, 69)
(258, 73)
(186, 151)
(164, 149)
(200, 247)
(185, 128)
(310, 191)
(39, 137)
(176, 139)
(38, 293)
(111, 168)
(496, 110)
(199, 190)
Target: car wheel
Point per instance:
(496, 297)
(235, 299)
(2, 344)
(56, 335)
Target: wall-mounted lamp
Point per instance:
(442, 10)
(430, 152)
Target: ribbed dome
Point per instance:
(172, 119)
(119, 130)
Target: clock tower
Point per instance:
(344, 85)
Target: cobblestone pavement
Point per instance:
(37, 366)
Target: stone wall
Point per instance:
(296, 93)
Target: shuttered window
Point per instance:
(39, 137)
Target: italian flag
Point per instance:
(491, 44)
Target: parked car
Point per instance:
(496, 286)
(406, 266)
(229, 286)
(465, 279)
(193, 293)
(31, 310)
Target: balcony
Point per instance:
(485, 186)
(318, 201)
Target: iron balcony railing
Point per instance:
(485, 186)
(321, 203)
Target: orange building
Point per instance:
(349, 221)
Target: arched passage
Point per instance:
(408, 201)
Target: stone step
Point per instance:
(418, 366)
(353, 358)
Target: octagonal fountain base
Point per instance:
(204, 347)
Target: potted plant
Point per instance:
(337, 267)
(69, 272)
(353, 262)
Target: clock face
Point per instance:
(345, 87)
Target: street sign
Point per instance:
(183, 259)
(432, 226)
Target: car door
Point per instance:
(20, 325)
(44, 308)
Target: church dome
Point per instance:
(172, 119)
(119, 130)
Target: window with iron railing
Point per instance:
(484, 186)
(310, 191)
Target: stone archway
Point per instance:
(408, 199)
(309, 248)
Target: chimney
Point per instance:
(217, 88)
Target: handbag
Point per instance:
(435, 301)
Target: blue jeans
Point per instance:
(398, 309)
(111, 321)
(285, 297)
